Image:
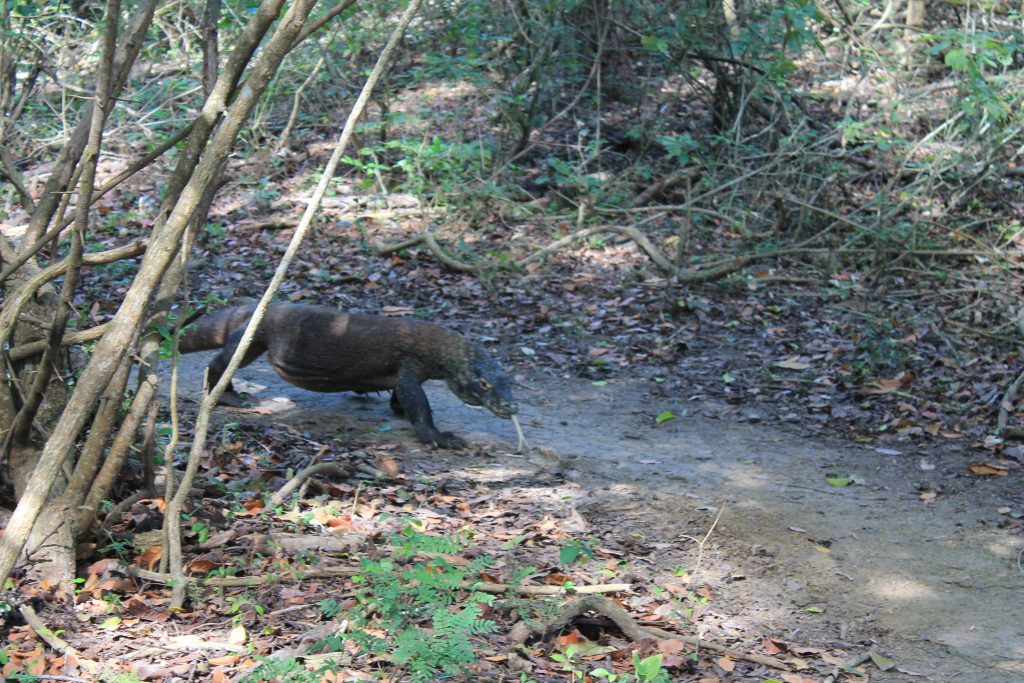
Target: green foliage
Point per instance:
(878, 352)
(445, 647)
(981, 61)
(572, 550)
(420, 607)
(437, 169)
(287, 670)
(648, 670)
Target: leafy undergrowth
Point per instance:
(438, 571)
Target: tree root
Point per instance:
(435, 249)
(522, 632)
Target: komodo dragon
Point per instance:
(320, 349)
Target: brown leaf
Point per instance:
(569, 638)
(150, 557)
(883, 386)
(987, 469)
(726, 663)
(388, 465)
(795, 678)
(254, 506)
(671, 646)
(201, 565)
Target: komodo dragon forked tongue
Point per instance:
(523, 443)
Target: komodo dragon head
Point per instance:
(482, 382)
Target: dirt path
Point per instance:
(932, 585)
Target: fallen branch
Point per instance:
(548, 590)
(522, 632)
(1006, 404)
(384, 249)
(239, 581)
(269, 224)
(70, 339)
(295, 482)
(435, 249)
(690, 174)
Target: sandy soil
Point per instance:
(932, 584)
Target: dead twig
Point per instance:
(548, 590)
(14, 303)
(435, 249)
(328, 468)
(70, 339)
(1006, 404)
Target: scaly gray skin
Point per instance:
(321, 349)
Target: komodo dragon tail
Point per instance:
(211, 331)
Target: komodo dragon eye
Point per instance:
(484, 384)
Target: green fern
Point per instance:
(422, 608)
(412, 541)
(446, 648)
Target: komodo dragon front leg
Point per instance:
(410, 400)
(219, 364)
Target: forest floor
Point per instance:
(792, 464)
(794, 567)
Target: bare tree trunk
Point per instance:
(164, 245)
(52, 543)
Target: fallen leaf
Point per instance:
(883, 386)
(111, 623)
(881, 661)
(671, 646)
(237, 635)
(201, 565)
(726, 663)
(792, 364)
(388, 465)
(150, 557)
(986, 469)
